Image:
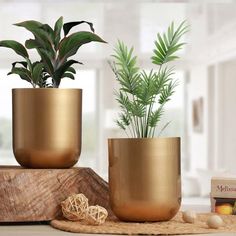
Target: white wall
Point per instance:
(212, 53)
(227, 141)
(197, 86)
(211, 43)
(198, 144)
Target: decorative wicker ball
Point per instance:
(75, 207)
(96, 215)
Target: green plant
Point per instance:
(140, 92)
(54, 51)
(27, 70)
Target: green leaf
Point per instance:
(67, 26)
(167, 44)
(161, 43)
(167, 92)
(68, 75)
(30, 25)
(41, 31)
(23, 63)
(57, 31)
(125, 119)
(22, 72)
(63, 68)
(58, 74)
(155, 117)
(72, 70)
(47, 28)
(48, 32)
(14, 45)
(37, 72)
(46, 58)
(70, 45)
(31, 43)
(120, 124)
(125, 68)
(138, 109)
(147, 88)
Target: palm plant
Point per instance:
(141, 91)
(54, 51)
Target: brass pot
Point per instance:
(47, 127)
(144, 178)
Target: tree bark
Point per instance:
(36, 194)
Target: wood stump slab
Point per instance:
(35, 194)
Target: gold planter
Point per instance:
(144, 178)
(47, 127)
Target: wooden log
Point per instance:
(36, 194)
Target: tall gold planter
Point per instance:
(47, 127)
(144, 178)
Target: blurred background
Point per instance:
(202, 110)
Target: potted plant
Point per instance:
(144, 170)
(46, 119)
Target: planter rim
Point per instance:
(48, 89)
(140, 139)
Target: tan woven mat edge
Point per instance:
(172, 227)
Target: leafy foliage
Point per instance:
(54, 50)
(25, 69)
(168, 44)
(140, 92)
(14, 45)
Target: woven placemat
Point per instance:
(174, 226)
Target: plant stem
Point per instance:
(126, 133)
(136, 120)
(163, 128)
(142, 123)
(131, 120)
(147, 134)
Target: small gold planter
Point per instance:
(47, 127)
(144, 178)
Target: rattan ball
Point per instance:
(75, 207)
(96, 215)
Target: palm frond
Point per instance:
(124, 117)
(147, 87)
(125, 68)
(155, 117)
(167, 92)
(137, 109)
(162, 79)
(120, 124)
(123, 100)
(168, 44)
(141, 91)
